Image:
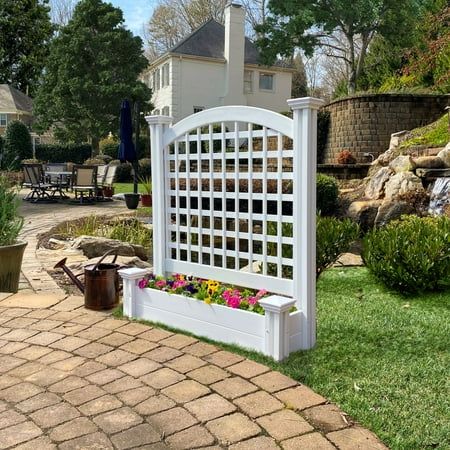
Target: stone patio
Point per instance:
(71, 378)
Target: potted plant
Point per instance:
(146, 197)
(11, 249)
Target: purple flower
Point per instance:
(143, 283)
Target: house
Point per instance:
(216, 65)
(14, 105)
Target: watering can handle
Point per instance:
(113, 251)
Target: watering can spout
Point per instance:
(62, 265)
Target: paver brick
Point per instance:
(326, 418)
(139, 367)
(273, 381)
(210, 407)
(69, 364)
(258, 404)
(117, 420)
(178, 341)
(32, 352)
(223, 358)
(45, 338)
(116, 358)
(284, 424)
(185, 391)
(85, 319)
(196, 436)
(200, 349)
(100, 405)
(163, 354)
(116, 339)
(154, 404)
(137, 436)
(105, 376)
(46, 376)
(94, 441)
(93, 333)
(123, 384)
(88, 368)
(9, 418)
(38, 402)
(64, 316)
(26, 369)
(311, 440)
(83, 395)
(20, 392)
(133, 329)
(155, 335)
(233, 428)
(20, 322)
(75, 428)
(248, 369)
(12, 347)
(54, 356)
(139, 346)
(208, 374)
(93, 350)
(69, 343)
(259, 443)
(355, 438)
(234, 387)
(134, 396)
(185, 363)
(8, 363)
(111, 324)
(40, 313)
(162, 378)
(19, 433)
(7, 381)
(46, 325)
(172, 420)
(68, 384)
(40, 443)
(300, 397)
(54, 415)
(70, 329)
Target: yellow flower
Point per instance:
(208, 300)
(212, 286)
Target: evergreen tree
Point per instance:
(17, 145)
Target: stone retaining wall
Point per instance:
(364, 124)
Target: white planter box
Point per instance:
(268, 334)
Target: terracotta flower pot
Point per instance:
(146, 200)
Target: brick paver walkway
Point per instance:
(77, 379)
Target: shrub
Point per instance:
(109, 147)
(334, 237)
(17, 145)
(411, 254)
(55, 153)
(323, 126)
(123, 172)
(10, 222)
(145, 168)
(346, 157)
(327, 194)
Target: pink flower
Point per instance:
(253, 300)
(143, 283)
(160, 284)
(234, 301)
(261, 293)
(179, 284)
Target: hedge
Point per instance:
(56, 153)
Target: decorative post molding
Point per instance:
(304, 212)
(157, 125)
(130, 279)
(277, 325)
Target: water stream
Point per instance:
(440, 196)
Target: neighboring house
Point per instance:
(216, 65)
(14, 105)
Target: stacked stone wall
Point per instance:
(364, 124)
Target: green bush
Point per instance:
(333, 237)
(123, 172)
(411, 254)
(327, 194)
(145, 168)
(56, 153)
(17, 145)
(10, 222)
(110, 148)
(323, 126)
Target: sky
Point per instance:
(136, 13)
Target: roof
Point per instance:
(12, 100)
(209, 41)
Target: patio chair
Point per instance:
(101, 173)
(84, 180)
(40, 191)
(110, 175)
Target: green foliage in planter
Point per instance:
(334, 237)
(17, 145)
(10, 222)
(410, 255)
(327, 194)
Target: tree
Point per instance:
(25, 31)
(62, 11)
(17, 145)
(94, 64)
(343, 28)
(299, 82)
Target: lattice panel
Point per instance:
(229, 202)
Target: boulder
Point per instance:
(364, 213)
(401, 183)
(93, 246)
(124, 261)
(396, 140)
(429, 162)
(403, 163)
(444, 154)
(375, 187)
(391, 210)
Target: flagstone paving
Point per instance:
(71, 378)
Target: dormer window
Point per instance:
(266, 81)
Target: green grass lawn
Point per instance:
(383, 358)
(123, 188)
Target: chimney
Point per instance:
(234, 54)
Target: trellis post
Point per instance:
(304, 211)
(157, 125)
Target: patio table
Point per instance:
(62, 177)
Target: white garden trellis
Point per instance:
(228, 193)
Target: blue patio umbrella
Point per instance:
(127, 151)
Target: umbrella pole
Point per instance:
(135, 177)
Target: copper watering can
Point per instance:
(101, 282)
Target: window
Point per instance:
(165, 111)
(156, 112)
(165, 69)
(198, 109)
(156, 80)
(3, 120)
(266, 81)
(248, 81)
